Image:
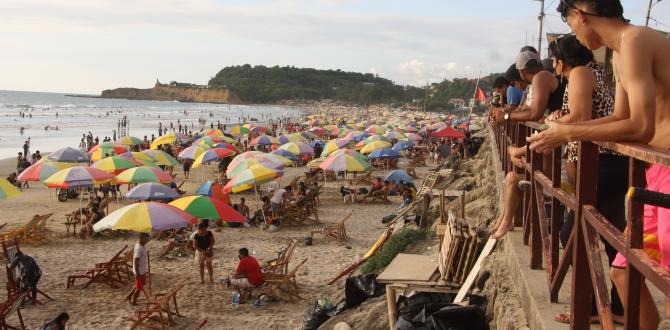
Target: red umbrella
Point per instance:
(449, 132)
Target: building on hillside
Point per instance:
(458, 103)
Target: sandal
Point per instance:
(567, 317)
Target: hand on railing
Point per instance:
(496, 116)
(516, 155)
(549, 139)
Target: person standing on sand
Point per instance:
(140, 268)
(203, 244)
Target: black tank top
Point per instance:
(556, 97)
(203, 242)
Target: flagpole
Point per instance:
(474, 96)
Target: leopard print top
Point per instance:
(603, 106)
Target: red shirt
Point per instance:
(250, 267)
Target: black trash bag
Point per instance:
(457, 317)
(316, 316)
(418, 322)
(422, 302)
(357, 289)
(339, 308)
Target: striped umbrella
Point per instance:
(130, 141)
(239, 167)
(394, 135)
(8, 190)
(68, 155)
(385, 153)
(414, 137)
(375, 145)
(41, 170)
(78, 176)
(238, 130)
(143, 174)
(159, 157)
(193, 152)
(333, 145)
(204, 207)
(297, 148)
(106, 149)
(264, 140)
(285, 154)
(254, 175)
(145, 218)
(170, 138)
(152, 191)
(344, 162)
(403, 145)
(212, 155)
(318, 131)
(115, 164)
(227, 146)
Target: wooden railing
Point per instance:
(589, 278)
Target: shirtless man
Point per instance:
(641, 112)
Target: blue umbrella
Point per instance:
(403, 145)
(384, 153)
(285, 153)
(68, 155)
(205, 189)
(314, 143)
(397, 176)
(152, 191)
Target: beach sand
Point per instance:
(103, 307)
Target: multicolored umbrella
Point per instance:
(68, 155)
(297, 148)
(205, 189)
(394, 135)
(398, 176)
(143, 174)
(234, 170)
(158, 157)
(333, 145)
(193, 152)
(77, 176)
(168, 139)
(318, 131)
(151, 191)
(448, 132)
(115, 164)
(254, 175)
(238, 130)
(375, 145)
(145, 218)
(264, 140)
(130, 141)
(385, 153)
(8, 190)
(227, 146)
(285, 154)
(204, 207)
(414, 137)
(212, 155)
(403, 145)
(344, 162)
(106, 149)
(41, 170)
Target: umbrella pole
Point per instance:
(258, 200)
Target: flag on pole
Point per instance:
(480, 96)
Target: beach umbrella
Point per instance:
(285, 154)
(333, 145)
(7, 189)
(77, 176)
(115, 164)
(395, 135)
(238, 130)
(212, 155)
(106, 149)
(274, 158)
(213, 132)
(345, 162)
(414, 137)
(309, 135)
(151, 191)
(314, 143)
(403, 145)
(264, 140)
(297, 148)
(158, 157)
(243, 156)
(193, 152)
(205, 189)
(240, 166)
(203, 207)
(163, 139)
(143, 174)
(259, 129)
(41, 170)
(145, 218)
(350, 152)
(448, 132)
(385, 153)
(227, 146)
(397, 176)
(314, 164)
(374, 138)
(318, 131)
(140, 156)
(130, 141)
(250, 177)
(68, 155)
(375, 145)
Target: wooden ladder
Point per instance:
(428, 183)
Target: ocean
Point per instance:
(74, 116)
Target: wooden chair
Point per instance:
(8, 308)
(279, 265)
(104, 204)
(311, 211)
(284, 282)
(9, 251)
(362, 179)
(103, 272)
(24, 232)
(336, 230)
(153, 310)
(294, 213)
(418, 161)
(381, 195)
(72, 220)
(39, 233)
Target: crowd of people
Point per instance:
(576, 102)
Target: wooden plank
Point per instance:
(488, 248)
(411, 267)
(639, 151)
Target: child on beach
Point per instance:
(203, 244)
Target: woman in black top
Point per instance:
(203, 243)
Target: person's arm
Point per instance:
(541, 89)
(580, 91)
(136, 262)
(211, 242)
(195, 245)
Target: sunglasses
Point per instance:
(559, 55)
(571, 5)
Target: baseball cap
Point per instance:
(524, 57)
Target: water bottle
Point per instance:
(236, 299)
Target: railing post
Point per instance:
(636, 178)
(582, 288)
(535, 216)
(555, 221)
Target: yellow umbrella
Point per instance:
(7, 190)
(372, 146)
(165, 139)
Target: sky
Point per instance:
(86, 46)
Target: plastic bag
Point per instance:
(358, 289)
(317, 315)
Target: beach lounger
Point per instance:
(23, 233)
(8, 308)
(9, 251)
(279, 265)
(102, 273)
(336, 230)
(381, 195)
(39, 233)
(362, 179)
(154, 310)
(284, 282)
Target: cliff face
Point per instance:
(172, 93)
